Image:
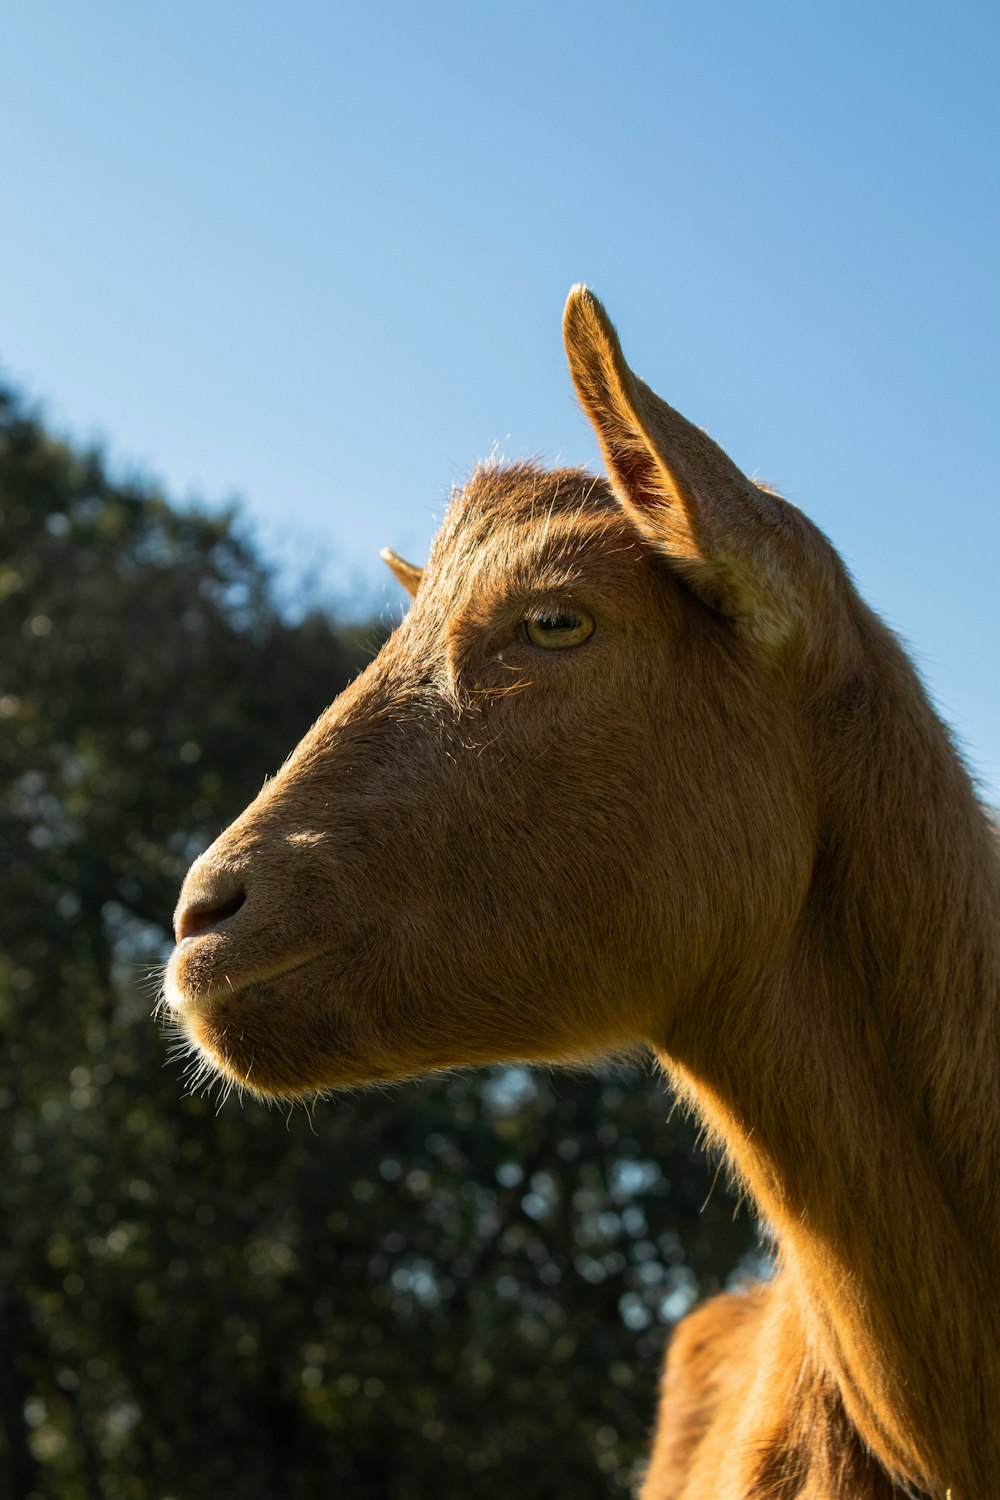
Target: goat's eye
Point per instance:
(557, 629)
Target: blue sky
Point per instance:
(316, 255)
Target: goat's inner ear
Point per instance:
(406, 573)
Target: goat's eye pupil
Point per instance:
(558, 629)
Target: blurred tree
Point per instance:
(466, 1282)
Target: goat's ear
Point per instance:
(729, 539)
(408, 574)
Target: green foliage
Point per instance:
(462, 1284)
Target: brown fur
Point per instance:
(729, 827)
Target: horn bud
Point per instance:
(406, 573)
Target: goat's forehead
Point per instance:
(520, 508)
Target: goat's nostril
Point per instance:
(203, 916)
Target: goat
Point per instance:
(640, 768)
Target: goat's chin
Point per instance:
(242, 1048)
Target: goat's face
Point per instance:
(568, 804)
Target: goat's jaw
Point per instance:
(313, 1023)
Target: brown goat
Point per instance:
(639, 767)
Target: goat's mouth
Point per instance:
(189, 990)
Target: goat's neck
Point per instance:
(858, 1094)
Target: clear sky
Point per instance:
(315, 254)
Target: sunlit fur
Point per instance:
(728, 827)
